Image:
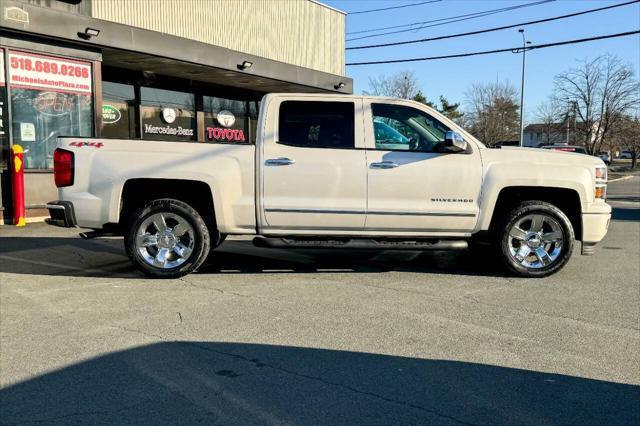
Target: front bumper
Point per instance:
(62, 214)
(594, 229)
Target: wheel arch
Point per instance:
(139, 191)
(566, 199)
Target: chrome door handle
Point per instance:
(279, 162)
(384, 165)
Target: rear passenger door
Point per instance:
(313, 166)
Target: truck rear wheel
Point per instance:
(536, 239)
(167, 239)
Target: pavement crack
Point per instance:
(544, 314)
(256, 362)
(470, 297)
(184, 280)
(133, 330)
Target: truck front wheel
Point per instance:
(167, 239)
(536, 239)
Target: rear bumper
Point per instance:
(62, 214)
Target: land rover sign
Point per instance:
(110, 114)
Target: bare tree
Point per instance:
(551, 120)
(492, 112)
(402, 84)
(626, 136)
(602, 91)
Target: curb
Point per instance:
(36, 219)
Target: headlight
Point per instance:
(600, 191)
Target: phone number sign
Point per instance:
(33, 71)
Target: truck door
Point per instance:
(313, 166)
(413, 186)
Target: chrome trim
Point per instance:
(279, 162)
(384, 165)
(315, 211)
(54, 207)
(381, 213)
(284, 231)
(377, 213)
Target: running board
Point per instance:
(360, 243)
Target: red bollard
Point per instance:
(17, 171)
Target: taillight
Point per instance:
(63, 167)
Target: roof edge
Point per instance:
(328, 7)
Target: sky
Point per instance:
(453, 77)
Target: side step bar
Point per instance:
(360, 243)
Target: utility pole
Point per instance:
(567, 120)
(524, 49)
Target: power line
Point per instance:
(448, 20)
(504, 27)
(437, 20)
(487, 52)
(393, 7)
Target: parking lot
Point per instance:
(277, 337)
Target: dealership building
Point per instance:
(152, 69)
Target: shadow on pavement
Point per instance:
(625, 214)
(233, 383)
(64, 256)
(106, 258)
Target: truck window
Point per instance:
(402, 128)
(313, 124)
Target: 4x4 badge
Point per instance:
(89, 144)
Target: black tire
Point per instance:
(174, 208)
(505, 241)
(219, 241)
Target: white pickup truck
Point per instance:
(331, 171)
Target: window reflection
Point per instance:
(167, 115)
(118, 110)
(40, 116)
(225, 120)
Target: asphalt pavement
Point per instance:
(265, 336)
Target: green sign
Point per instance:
(110, 114)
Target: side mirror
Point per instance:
(453, 142)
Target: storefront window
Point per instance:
(50, 97)
(118, 110)
(225, 120)
(4, 142)
(254, 108)
(167, 115)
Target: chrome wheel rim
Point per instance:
(165, 240)
(536, 241)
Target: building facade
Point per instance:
(149, 69)
(569, 132)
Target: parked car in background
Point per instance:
(567, 148)
(605, 156)
(628, 155)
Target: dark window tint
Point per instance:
(225, 120)
(317, 124)
(402, 128)
(254, 108)
(118, 116)
(167, 115)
